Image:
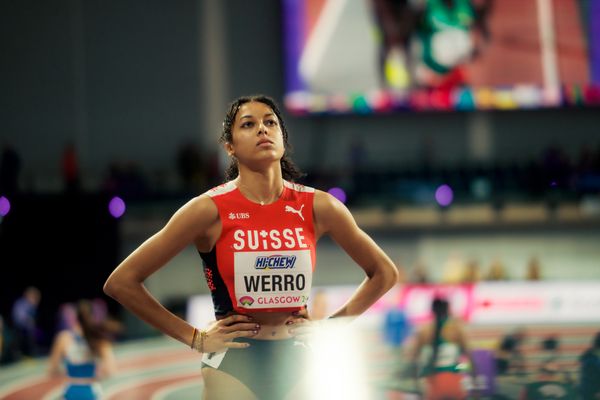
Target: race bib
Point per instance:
(272, 279)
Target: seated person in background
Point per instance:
(509, 358)
(551, 361)
(87, 355)
(551, 381)
(549, 384)
(589, 371)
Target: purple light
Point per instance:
(444, 195)
(4, 206)
(116, 207)
(338, 193)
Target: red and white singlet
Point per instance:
(265, 256)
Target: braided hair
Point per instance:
(440, 312)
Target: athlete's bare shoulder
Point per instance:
(198, 214)
(331, 215)
(325, 203)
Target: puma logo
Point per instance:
(293, 210)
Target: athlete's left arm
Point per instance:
(333, 218)
(108, 364)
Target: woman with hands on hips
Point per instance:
(257, 236)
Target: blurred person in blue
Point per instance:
(82, 352)
(257, 236)
(445, 342)
(396, 324)
(589, 371)
(24, 314)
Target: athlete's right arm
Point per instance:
(56, 353)
(190, 224)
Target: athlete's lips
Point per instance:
(263, 141)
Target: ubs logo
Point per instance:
(233, 216)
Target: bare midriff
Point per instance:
(273, 325)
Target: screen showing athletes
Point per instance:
(372, 56)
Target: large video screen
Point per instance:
(371, 56)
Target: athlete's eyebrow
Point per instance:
(252, 116)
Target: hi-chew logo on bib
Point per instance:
(272, 279)
(276, 261)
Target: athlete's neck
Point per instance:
(260, 187)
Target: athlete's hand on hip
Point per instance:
(303, 329)
(220, 334)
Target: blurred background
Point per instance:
(477, 172)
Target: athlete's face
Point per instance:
(256, 134)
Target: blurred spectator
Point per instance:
(589, 371)
(70, 169)
(548, 386)
(86, 350)
(447, 341)
(453, 269)
(472, 272)
(10, 166)
(419, 274)
(497, 271)
(509, 356)
(551, 381)
(396, 326)
(24, 314)
(550, 364)
(534, 269)
(190, 167)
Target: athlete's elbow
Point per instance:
(113, 287)
(109, 288)
(390, 276)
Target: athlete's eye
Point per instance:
(247, 124)
(271, 122)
